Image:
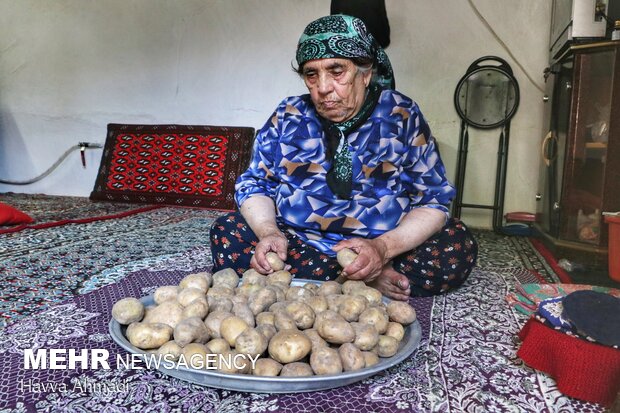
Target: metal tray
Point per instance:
(260, 384)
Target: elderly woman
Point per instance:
(353, 165)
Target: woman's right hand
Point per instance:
(272, 242)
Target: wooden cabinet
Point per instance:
(580, 172)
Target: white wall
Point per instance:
(69, 67)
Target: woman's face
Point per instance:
(337, 87)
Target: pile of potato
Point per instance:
(296, 330)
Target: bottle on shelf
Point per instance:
(615, 35)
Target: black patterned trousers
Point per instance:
(438, 265)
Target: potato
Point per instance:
(301, 313)
(197, 308)
(387, 346)
(297, 369)
(284, 321)
(191, 330)
(336, 331)
(195, 355)
(366, 336)
(279, 289)
(263, 298)
(218, 346)
(266, 367)
(218, 291)
(370, 358)
(251, 342)
(352, 306)
(247, 290)
(401, 312)
(375, 316)
(268, 330)
(325, 360)
(168, 312)
(373, 295)
(188, 295)
(148, 335)
(214, 322)
(242, 310)
(220, 304)
(345, 257)
(350, 285)
(231, 327)
(288, 346)
(298, 293)
(334, 301)
(278, 306)
(226, 278)
(239, 298)
(197, 281)
(274, 261)
(318, 303)
(252, 276)
(327, 315)
(351, 356)
(395, 330)
(231, 362)
(281, 276)
(312, 287)
(165, 293)
(266, 317)
(128, 310)
(329, 287)
(172, 348)
(315, 338)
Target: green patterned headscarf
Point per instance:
(345, 37)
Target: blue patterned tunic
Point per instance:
(396, 167)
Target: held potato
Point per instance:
(266, 367)
(325, 360)
(128, 310)
(297, 369)
(288, 346)
(274, 261)
(148, 335)
(401, 312)
(345, 257)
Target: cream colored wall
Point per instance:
(69, 67)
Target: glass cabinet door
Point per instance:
(582, 191)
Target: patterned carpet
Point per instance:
(466, 360)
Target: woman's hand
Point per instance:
(274, 241)
(371, 258)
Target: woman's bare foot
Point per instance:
(392, 284)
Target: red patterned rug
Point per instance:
(173, 164)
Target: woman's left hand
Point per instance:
(371, 258)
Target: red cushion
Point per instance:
(12, 216)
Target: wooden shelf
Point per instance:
(596, 145)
